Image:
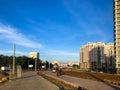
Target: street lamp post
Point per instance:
(14, 60)
(49, 65)
(36, 64)
(28, 64)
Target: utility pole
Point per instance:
(36, 64)
(28, 64)
(14, 60)
(49, 65)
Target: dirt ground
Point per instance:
(1, 75)
(103, 77)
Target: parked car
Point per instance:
(53, 70)
(4, 68)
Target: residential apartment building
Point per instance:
(109, 57)
(97, 56)
(117, 34)
(85, 57)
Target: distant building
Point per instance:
(85, 56)
(34, 55)
(56, 63)
(97, 56)
(76, 63)
(117, 34)
(70, 63)
(63, 65)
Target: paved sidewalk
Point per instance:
(29, 81)
(88, 84)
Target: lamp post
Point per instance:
(36, 64)
(28, 64)
(49, 65)
(13, 71)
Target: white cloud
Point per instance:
(61, 59)
(12, 35)
(60, 52)
(98, 33)
(10, 52)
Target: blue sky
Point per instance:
(54, 28)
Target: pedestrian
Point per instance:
(57, 71)
(60, 70)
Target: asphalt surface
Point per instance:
(88, 84)
(29, 81)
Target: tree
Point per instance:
(75, 66)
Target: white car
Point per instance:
(53, 70)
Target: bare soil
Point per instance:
(103, 77)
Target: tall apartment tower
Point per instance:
(117, 34)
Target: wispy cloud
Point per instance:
(99, 33)
(84, 12)
(89, 20)
(74, 9)
(59, 55)
(12, 35)
(10, 52)
(59, 52)
(60, 58)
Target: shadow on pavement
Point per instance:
(24, 77)
(114, 87)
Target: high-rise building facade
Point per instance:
(97, 56)
(92, 56)
(117, 34)
(84, 58)
(109, 57)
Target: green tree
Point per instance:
(75, 66)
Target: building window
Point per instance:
(118, 65)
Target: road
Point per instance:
(29, 81)
(89, 84)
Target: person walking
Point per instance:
(60, 71)
(57, 71)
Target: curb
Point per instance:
(61, 80)
(75, 86)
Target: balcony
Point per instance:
(117, 7)
(117, 29)
(117, 3)
(118, 45)
(117, 11)
(117, 32)
(117, 15)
